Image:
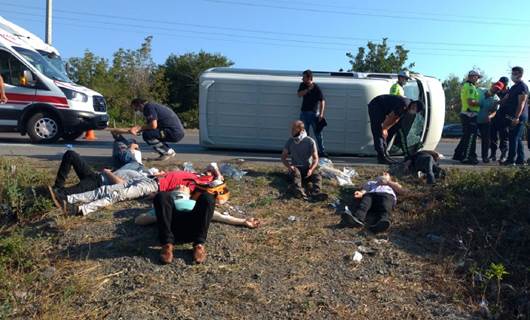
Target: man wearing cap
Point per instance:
(397, 88)
(385, 111)
(516, 115)
(499, 131)
(489, 103)
(469, 96)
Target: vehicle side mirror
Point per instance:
(27, 80)
(69, 68)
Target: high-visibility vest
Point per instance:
(397, 90)
(469, 91)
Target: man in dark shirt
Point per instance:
(311, 114)
(385, 111)
(516, 109)
(162, 125)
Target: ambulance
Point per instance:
(43, 102)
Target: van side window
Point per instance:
(11, 68)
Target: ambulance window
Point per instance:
(11, 68)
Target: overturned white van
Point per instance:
(252, 109)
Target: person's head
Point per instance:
(307, 77)
(384, 178)
(496, 87)
(473, 76)
(505, 81)
(297, 127)
(517, 74)
(138, 104)
(415, 106)
(403, 77)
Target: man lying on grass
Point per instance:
(303, 165)
(378, 198)
(424, 163)
(181, 219)
(104, 196)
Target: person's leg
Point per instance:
(383, 205)
(153, 138)
(459, 151)
(296, 186)
(520, 129)
(81, 168)
(425, 164)
(358, 218)
(318, 135)
(171, 135)
(494, 138)
(503, 138)
(306, 118)
(375, 126)
(512, 144)
(470, 142)
(165, 211)
(193, 226)
(485, 133)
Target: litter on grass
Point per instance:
(228, 170)
(329, 171)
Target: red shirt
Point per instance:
(173, 179)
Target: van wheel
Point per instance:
(72, 136)
(43, 127)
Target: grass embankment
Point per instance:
(461, 242)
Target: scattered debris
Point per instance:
(357, 257)
(292, 218)
(188, 167)
(232, 171)
(366, 250)
(329, 171)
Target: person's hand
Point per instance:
(106, 170)
(252, 223)
(515, 122)
(292, 169)
(358, 194)
(309, 173)
(135, 130)
(384, 133)
(3, 99)
(320, 117)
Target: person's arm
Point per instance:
(314, 161)
(322, 109)
(114, 179)
(3, 97)
(303, 92)
(286, 163)
(520, 107)
(145, 219)
(398, 188)
(390, 120)
(250, 223)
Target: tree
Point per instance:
(378, 58)
(182, 73)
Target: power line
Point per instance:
(392, 16)
(267, 31)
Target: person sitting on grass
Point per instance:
(303, 165)
(183, 203)
(378, 198)
(425, 162)
(91, 201)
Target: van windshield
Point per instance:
(54, 60)
(42, 65)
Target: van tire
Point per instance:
(43, 127)
(72, 136)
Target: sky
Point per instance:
(449, 37)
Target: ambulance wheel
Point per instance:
(43, 127)
(72, 136)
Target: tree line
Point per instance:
(133, 73)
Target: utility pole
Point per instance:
(49, 22)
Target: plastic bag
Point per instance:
(188, 167)
(329, 171)
(228, 170)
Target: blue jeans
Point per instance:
(310, 119)
(515, 140)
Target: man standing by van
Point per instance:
(469, 96)
(3, 97)
(397, 88)
(516, 115)
(385, 111)
(311, 114)
(162, 125)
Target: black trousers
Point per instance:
(466, 149)
(378, 205)
(298, 178)
(183, 227)
(380, 143)
(425, 163)
(499, 136)
(485, 137)
(157, 138)
(88, 179)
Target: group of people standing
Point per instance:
(499, 114)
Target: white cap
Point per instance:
(404, 74)
(473, 73)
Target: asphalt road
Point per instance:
(14, 144)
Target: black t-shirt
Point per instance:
(312, 98)
(512, 101)
(387, 103)
(167, 119)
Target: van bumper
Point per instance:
(82, 120)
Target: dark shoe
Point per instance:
(520, 164)
(493, 158)
(199, 254)
(166, 256)
(57, 196)
(299, 194)
(349, 220)
(506, 163)
(486, 160)
(71, 209)
(470, 161)
(319, 196)
(503, 158)
(380, 226)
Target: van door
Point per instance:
(19, 94)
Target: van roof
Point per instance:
(29, 38)
(341, 74)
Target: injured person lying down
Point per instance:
(141, 186)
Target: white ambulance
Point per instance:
(42, 101)
(253, 109)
